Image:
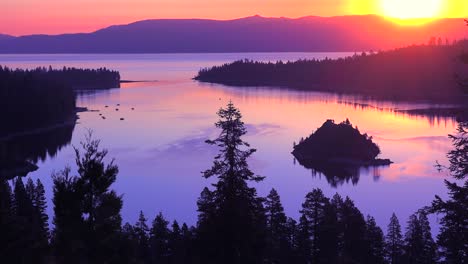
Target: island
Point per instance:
(338, 151)
(417, 73)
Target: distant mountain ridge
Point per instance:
(250, 34)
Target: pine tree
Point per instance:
(336, 204)
(414, 243)
(30, 189)
(453, 236)
(160, 240)
(41, 205)
(24, 217)
(175, 243)
(8, 233)
(354, 230)
(187, 254)
(291, 231)
(375, 242)
(394, 241)
(278, 247)
(313, 209)
(68, 239)
(429, 255)
(239, 219)
(303, 241)
(101, 205)
(142, 235)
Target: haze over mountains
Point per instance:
(251, 34)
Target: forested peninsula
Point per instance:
(415, 73)
(38, 112)
(38, 98)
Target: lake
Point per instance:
(160, 149)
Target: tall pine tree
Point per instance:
(453, 236)
(160, 235)
(141, 230)
(8, 237)
(394, 241)
(238, 220)
(313, 209)
(100, 205)
(278, 243)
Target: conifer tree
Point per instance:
(68, 236)
(41, 205)
(453, 236)
(175, 243)
(141, 231)
(429, 255)
(313, 209)
(394, 241)
(7, 227)
(414, 243)
(24, 219)
(375, 242)
(160, 239)
(239, 219)
(354, 230)
(101, 205)
(303, 241)
(278, 246)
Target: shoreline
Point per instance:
(68, 122)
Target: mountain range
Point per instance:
(250, 34)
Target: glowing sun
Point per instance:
(411, 9)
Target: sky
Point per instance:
(24, 17)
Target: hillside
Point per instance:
(251, 34)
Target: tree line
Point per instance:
(235, 224)
(31, 99)
(412, 73)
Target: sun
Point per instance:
(411, 10)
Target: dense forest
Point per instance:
(32, 99)
(235, 224)
(427, 72)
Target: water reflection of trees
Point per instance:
(20, 154)
(340, 174)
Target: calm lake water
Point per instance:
(160, 147)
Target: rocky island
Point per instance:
(338, 150)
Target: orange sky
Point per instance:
(20, 17)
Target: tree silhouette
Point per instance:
(375, 242)
(354, 230)
(100, 205)
(160, 234)
(453, 236)
(279, 245)
(68, 240)
(141, 231)
(429, 255)
(414, 242)
(8, 249)
(394, 241)
(313, 209)
(238, 219)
